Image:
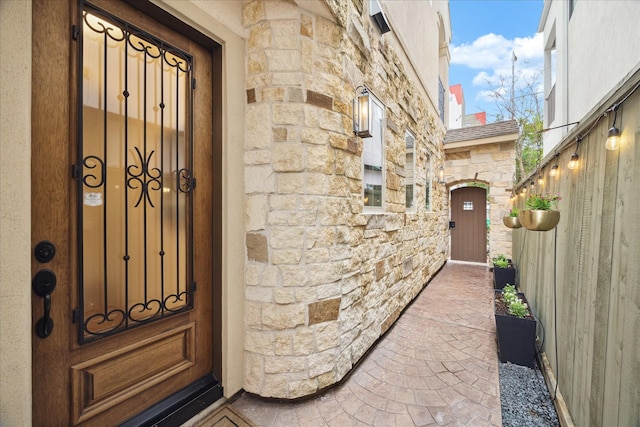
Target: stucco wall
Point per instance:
(15, 216)
(616, 52)
(601, 37)
(418, 27)
(324, 279)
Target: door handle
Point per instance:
(44, 282)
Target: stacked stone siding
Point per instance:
(324, 278)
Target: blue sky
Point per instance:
(484, 33)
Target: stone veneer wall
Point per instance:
(493, 165)
(323, 278)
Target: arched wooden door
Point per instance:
(125, 264)
(469, 234)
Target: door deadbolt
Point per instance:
(45, 251)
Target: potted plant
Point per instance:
(540, 214)
(503, 271)
(511, 220)
(515, 327)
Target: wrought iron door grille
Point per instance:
(135, 152)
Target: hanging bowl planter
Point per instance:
(511, 222)
(511, 219)
(539, 220)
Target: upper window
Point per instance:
(572, 5)
(373, 158)
(550, 80)
(409, 168)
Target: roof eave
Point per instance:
(498, 139)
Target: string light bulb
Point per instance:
(540, 179)
(573, 161)
(613, 138)
(554, 168)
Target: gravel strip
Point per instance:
(524, 397)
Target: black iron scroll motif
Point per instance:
(94, 180)
(138, 40)
(185, 181)
(140, 176)
(176, 301)
(101, 324)
(104, 324)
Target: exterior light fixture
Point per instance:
(378, 16)
(441, 176)
(574, 160)
(613, 139)
(362, 113)
(554, 168)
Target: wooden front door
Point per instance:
(469, 214)
(124, 266)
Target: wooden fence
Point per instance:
(582, 279)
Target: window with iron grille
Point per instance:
(134, 178)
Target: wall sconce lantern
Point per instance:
(441, 176)
(573, 161)
(362, 113)
(378, 16)
(613, 139)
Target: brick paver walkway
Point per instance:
(436, 366)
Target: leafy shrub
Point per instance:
(542, 202)
(501, 261)
(516, 306)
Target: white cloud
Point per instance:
(486, 51)
(491, 54)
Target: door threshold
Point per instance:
(181, 406)
(197, 418)
(480, 264)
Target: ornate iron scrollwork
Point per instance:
(92, 162)
(136, 264)
(148, 179)
(186, 182)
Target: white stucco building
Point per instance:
(581, 65)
